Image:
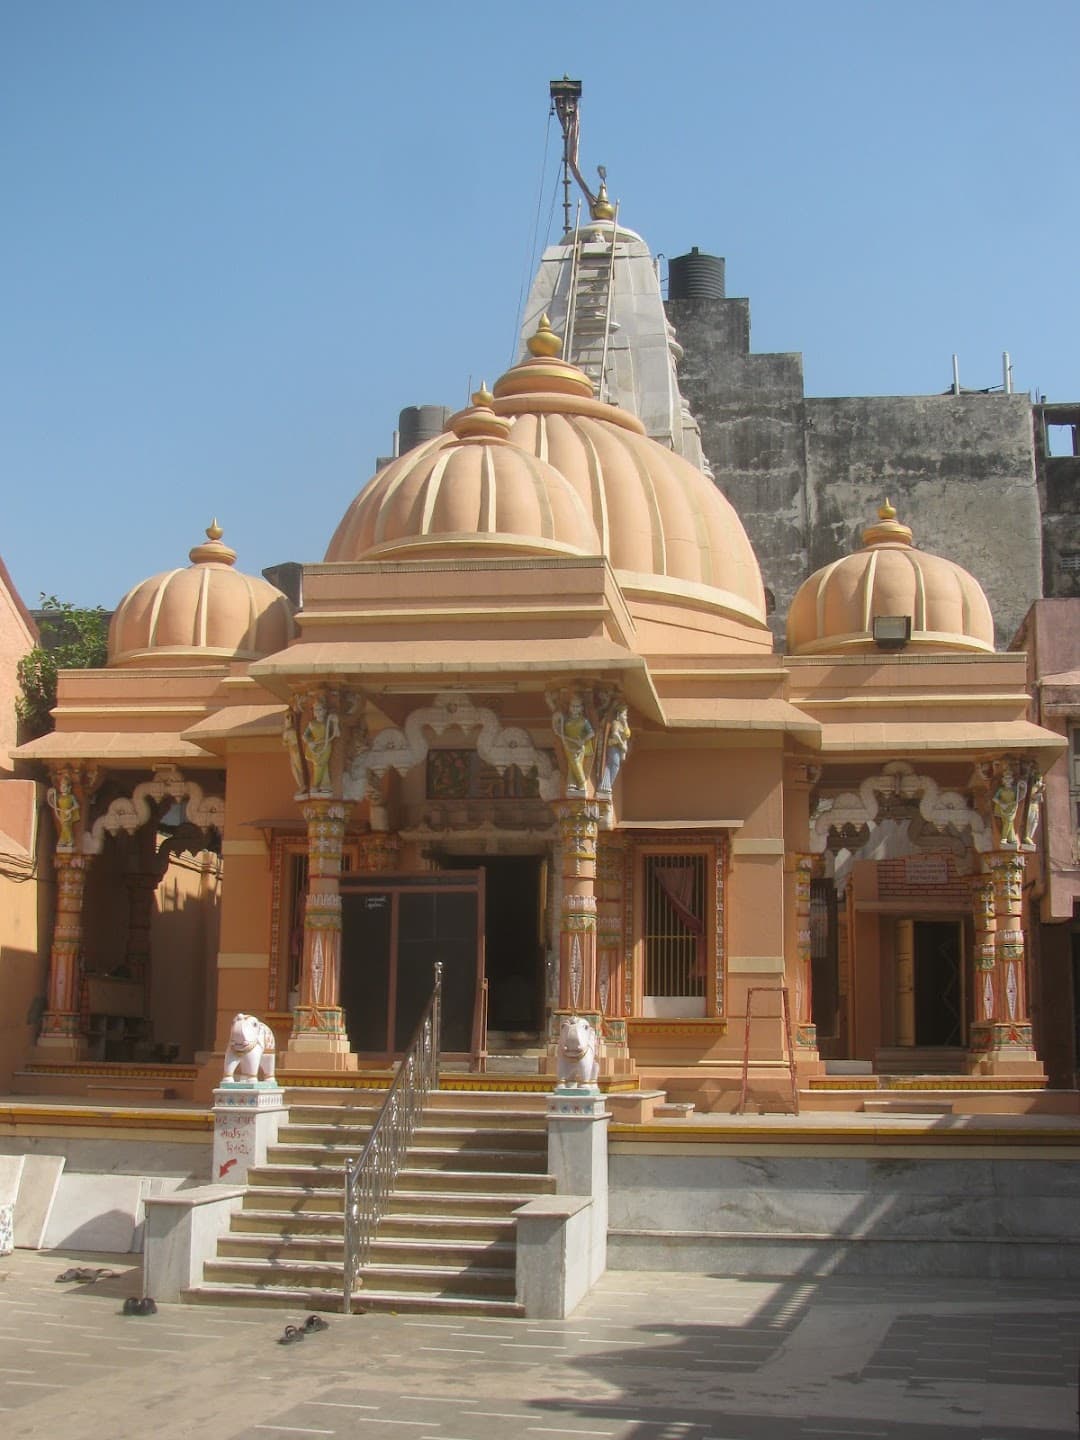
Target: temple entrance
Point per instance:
(394, 929)
(939, 989)
(515, 904)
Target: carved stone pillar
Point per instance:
(1003, 1039)
(61, 1024)
(319, 1041)
(579, 822)
(983, 999)
(69, 800)
(806, 868)
(611, 975)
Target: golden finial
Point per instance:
(602, 208)
(888, 530)
(481, 422)
(545, 343)
(213, 552)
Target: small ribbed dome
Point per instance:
(470, 490)
(835, 609)
(670, 535)
(208, 612)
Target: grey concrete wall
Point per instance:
(806, 475)
(959, 469)
(750, 409)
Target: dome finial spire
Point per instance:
(888, 530)
(545, 342)
(212, 552)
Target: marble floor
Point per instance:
(649, 1356)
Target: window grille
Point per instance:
(675, 931)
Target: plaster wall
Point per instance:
(258, 786)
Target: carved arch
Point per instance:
(860, 809)
(207, 812)
(401, 749)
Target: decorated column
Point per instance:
(1001, 1037)
(579, 825)
(312, 735)
(318, 1038)
(69, 800)
(983, 1000)
(806, 868)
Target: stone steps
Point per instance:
(448, 1241)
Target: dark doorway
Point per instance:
(394, 929)
(939, 994)
(514, 905)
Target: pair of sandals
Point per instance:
(298, 1332)
(145, 1306)
(85, 1275)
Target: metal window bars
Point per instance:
(369, 1180)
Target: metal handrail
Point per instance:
(369, 1180)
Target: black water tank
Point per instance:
(696, 277)
(418, 423)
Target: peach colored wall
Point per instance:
(258, 787)
(25, 908)
(730, 784)
(17, 637)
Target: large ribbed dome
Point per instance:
(668, 532)
(481, 492)
(835, 609)
(207, 612)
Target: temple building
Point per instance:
(533, 722)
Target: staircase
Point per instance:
(447, 1242)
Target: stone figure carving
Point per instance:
(578, 739)
(618, 742)
(250, 1050)
(291, 741)
(1036, 792)
(320, 732)
(65, 806)
(1006, 802)
(576, 1061)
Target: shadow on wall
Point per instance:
(23, 976)
(184, 944)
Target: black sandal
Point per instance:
(292, 1334)
(315, 1322)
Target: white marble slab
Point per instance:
(98, 1212)
(34, 1203)
(11, 1167)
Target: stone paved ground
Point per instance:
(647, 1357)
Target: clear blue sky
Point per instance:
(238, 237)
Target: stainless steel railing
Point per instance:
(369, 1180)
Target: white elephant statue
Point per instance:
(576, 1059)
(251, 1050)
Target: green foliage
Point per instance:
(72, 639)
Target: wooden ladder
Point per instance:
(785, 1010)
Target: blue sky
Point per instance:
(240, 236)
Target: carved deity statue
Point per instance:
(1036, 792)
(618, 742)
(319, 735)
(65, 806)
(1006, 802)
(291, 741)
(578, 739)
